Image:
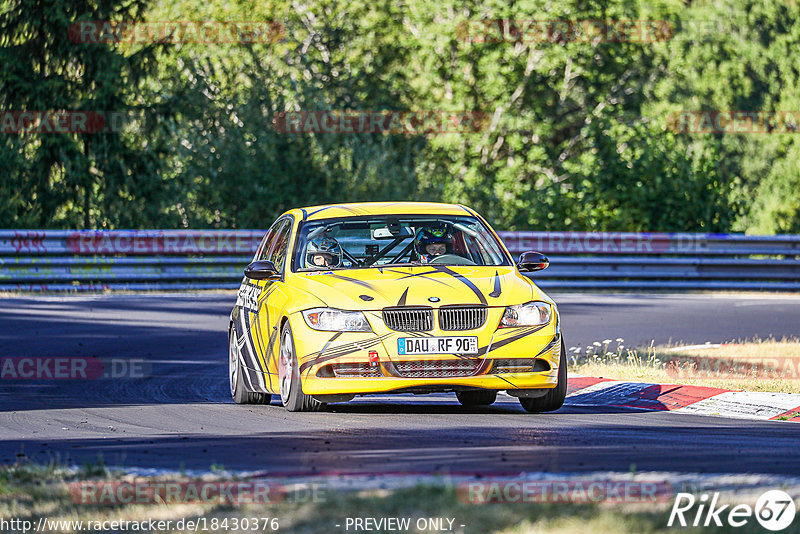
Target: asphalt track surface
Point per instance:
(181, 415)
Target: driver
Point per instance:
(324, 252)
(432, 242)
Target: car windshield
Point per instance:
(377, 241)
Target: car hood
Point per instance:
(374, 289)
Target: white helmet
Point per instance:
(326, 246)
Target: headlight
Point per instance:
(333, 320)
(530, 314)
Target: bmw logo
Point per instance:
(433, 299)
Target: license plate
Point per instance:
(438, 345)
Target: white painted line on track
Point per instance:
(745, 405)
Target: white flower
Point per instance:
(596, 343)
(606, 341)
(619, 340)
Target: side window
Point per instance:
(279, 244)
(263, 248)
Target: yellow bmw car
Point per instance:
(392, 297)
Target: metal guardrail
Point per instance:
(214, 259)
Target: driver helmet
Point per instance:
(433, 235)
(328, 248)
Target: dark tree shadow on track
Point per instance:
(694, 447)
(185, 362)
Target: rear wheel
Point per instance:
(292, 395)
(476, 397)
(554, 398)
(239, 391)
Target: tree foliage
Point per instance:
(578, 136)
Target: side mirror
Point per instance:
(262, 270)
(532, 261)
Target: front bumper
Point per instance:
(320, 352)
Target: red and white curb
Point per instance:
(698, 400)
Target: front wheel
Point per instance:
(239, 391)
(554, 398)
(292, 395)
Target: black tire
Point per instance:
(294, 400)
(239, 392)
(476, 397)
(555, 397)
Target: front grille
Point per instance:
(519, 365)
(462, 317)
(407, 319)
(438, 368)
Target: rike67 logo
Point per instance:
(774, 510)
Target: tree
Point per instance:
(76, 179)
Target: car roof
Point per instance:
(357, 209)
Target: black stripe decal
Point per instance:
(424, 275)
(265, 351)
(342, 350)
(353, 280)
(345, 208)
(464, 280)
(273, 336)
(348, 348)
(402, 301)
(263, 295)
(319, 210)
(325, 347)
(505, 380)
(395, 271)
(510, 339)
(556, 339)
(334, 337)
(248, 332)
